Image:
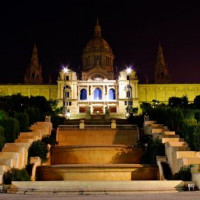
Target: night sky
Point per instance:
(132, 28)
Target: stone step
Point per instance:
(92, 187)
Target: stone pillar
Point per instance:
(47, 118)
(113, 124)
(82, 124)
(36, 161)
(103, 93)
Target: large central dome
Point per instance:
(97, 53)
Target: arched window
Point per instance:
(66, 94)
(112, 95)
(83, 94)
(66, 90)
(97, 94)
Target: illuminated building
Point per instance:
(99, 89)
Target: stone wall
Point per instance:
(162, 92)
(177, 151)
(97, 137)
(16, 154)
(95, 154)
(48, 91)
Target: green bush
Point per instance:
(57, 120)
(48, 139)
(15, 175)
(2, 137)
(197, 116)
(184, 174)
(38, 148)
(197, 101)
(146, 107)
(33, 114)
(23, 121)
(42, 104)
(153, 148)
(11, 128)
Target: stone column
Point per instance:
(113, 124)
(82, 124)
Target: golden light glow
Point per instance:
(65, 70)
(128, 70)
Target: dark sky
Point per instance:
(132, 28)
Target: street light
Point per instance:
(65, 89)
(128, 71)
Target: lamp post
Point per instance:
(65, 113)
(128, 71)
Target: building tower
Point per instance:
(97, 57)
(161, 74)
(34, 71)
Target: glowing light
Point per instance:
(65, 70)
(68, 115)
(128, 70)
(127, 115)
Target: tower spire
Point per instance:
(97, 30)
(161, 74)
(34, 71)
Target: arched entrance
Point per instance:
(83, 94)
(112, 95)
(97, 94)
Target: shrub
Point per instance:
(57, 120)
(33, 114)
(184, 174)
(15, 175)
(42, 104)
(2, 137)
(154, 148)
(23, 121)
(49, 140)
(38, 148)
(197, 101)
(197, 116)
(11, 128)
(146, 107)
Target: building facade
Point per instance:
(99, 90)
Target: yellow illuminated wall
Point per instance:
(162, 92)
(146, 92)
(48, 91)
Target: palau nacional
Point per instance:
(99, 88)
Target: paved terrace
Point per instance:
(194, 195)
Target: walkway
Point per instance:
(194, 195)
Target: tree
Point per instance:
(23, 121)
(174, 101)
(184, 101)
(38, 148)
(197, 116)
(2, 137)
(11, 127)
(33, 114)
(178, 102)
(146, 107)
(197, 101)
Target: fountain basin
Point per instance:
(104, 154)
(86, 172)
